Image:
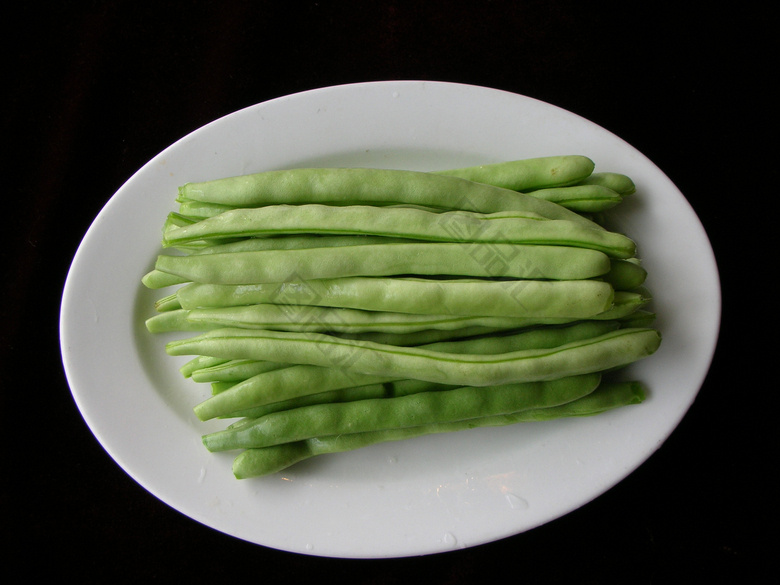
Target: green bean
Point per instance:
(156, 279)
(422, 337)
(582, 198)
(618, 182)
(334, 320)
(626, 274)
(234, 370)
(611, 350)
(200, 209)
(175, 320)
(530, 173)
(305, 379)
(354, 186)
(169, 302)
(422, 408)
(198, 363)
(328, 319)
(573, 299)
(283, 317)
(390, 389)
(268, 460)
(405, 222)
(177, 220)
(426, 259)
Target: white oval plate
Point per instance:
(416, 497)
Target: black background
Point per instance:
(93, 90)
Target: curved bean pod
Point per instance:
(611, 350)
(406, 411)
(305, 379)
(381, 363)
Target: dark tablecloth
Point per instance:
(93, 90)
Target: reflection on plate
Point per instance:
(421, 496)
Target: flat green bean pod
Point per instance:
(356, 186)
(422, 408)
(268, 460)
(425, 259)
(410, 223)
(156, 279)
(328, 319)
(570, 299)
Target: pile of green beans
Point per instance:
(328, 309)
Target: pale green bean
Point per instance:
(579, 299)
(409, 223)
(421, 259)
(351, 186)
(529, 173)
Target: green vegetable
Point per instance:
(404, 222)
(360, 186)
(607, 351)
(268, 460)
(582, 198)
(617, 182)
(339, 307)
(304, 379)
(332, 319)
(423, 408)
(570, 299)
(425, 259)
(530, 173)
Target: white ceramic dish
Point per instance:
(417, 497)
